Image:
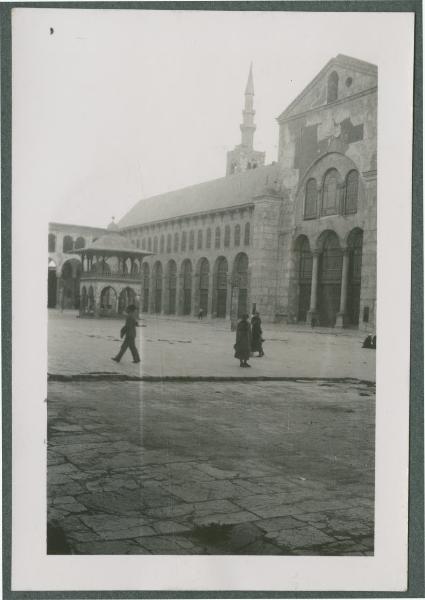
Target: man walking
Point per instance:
(129, 331)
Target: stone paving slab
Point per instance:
(188, 348)
(164, 475)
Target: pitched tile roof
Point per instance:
(234, 190)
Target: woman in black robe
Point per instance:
(243, 341)
(257, 334)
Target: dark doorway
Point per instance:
(329, 292)
(51, 289)
(304, 278)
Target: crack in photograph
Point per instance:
(211, 284)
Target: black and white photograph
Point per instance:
(204, 196)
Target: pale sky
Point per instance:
(115, 106)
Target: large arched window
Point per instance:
(351, 192)
(52, 242)
(184, 241)
(68, 244)
(237, 235)
(333, 86)
(310, 206)
(330, 193)
(208, 241)
(191, 240)
(227, 236)
(217, 237)
(247, 234)
(176, 242)
(200, 239)
(80, 242)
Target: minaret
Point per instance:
(248, 127)
(244, 157)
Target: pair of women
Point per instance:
(248, 339)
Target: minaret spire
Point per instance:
(248, 126)
(243, 157)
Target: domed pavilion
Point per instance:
(111, 275)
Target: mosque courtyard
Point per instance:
(186, 453)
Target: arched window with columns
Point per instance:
(150, 244)
(184, 241)
(200, 239)
(168, 242)
(208, 240)
(217, 237)
(162, 243)
(176, 242)
(155, 244)
(192, 240)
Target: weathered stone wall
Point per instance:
(340, 135)
(265, 255)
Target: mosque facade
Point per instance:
(294, 240)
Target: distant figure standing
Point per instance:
(243, 341)
(201, 314)
(257, 333)
(129, 331)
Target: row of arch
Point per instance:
(332, 196)
(110, 303)
(329, 278)
(207, 287)
(68, 243)
(191, 240)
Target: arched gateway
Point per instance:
(329, 279)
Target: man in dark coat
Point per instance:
(243, 341)
(129, 331)
(257, 335)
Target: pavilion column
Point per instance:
(341, 318)
(312, 313)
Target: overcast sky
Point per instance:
(114, 106)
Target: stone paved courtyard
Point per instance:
(254, 468)
(192, 348)
(209, 467)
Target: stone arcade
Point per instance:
(295, 240)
